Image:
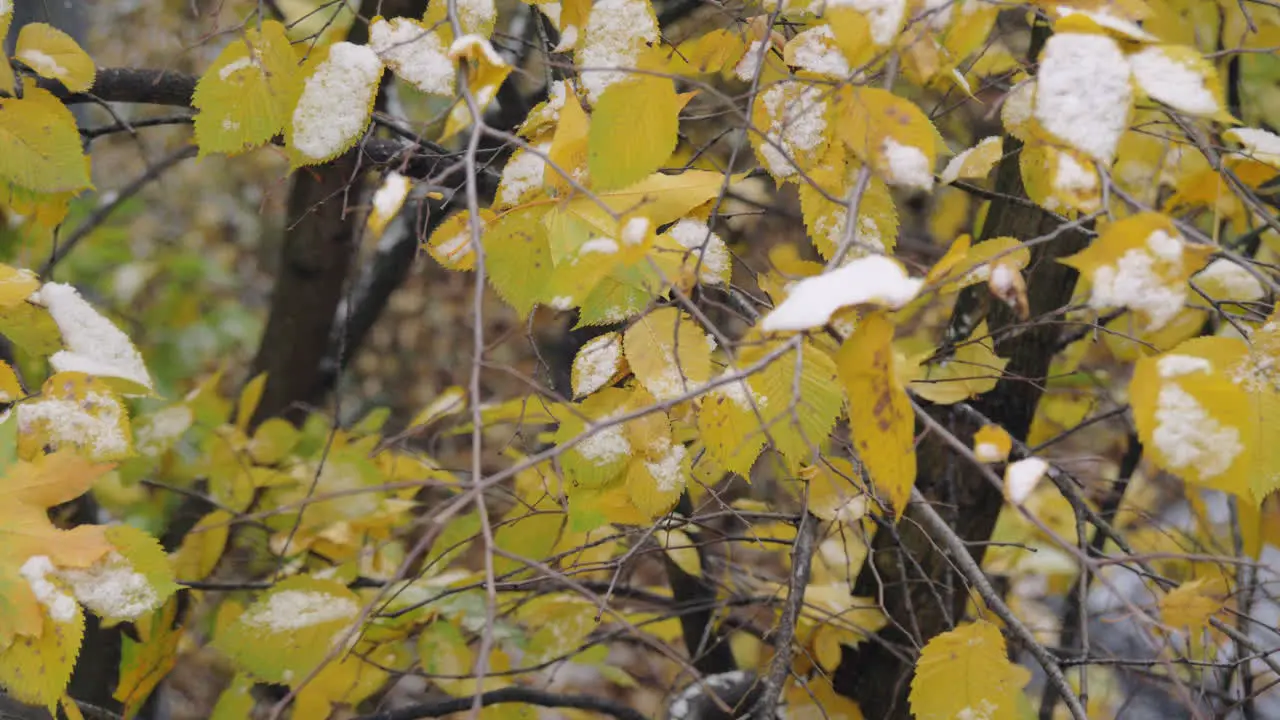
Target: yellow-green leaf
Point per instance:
(244, 99)
(40, 145)
(668, 352)
(633, 131)
(53, 54)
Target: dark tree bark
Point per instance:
(923, 594)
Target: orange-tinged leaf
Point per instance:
(53, 54)
(992, 443)
(967, 673)
(880, 412)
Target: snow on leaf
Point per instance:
(337, 98)
(890, 133)
(797, 120)
(816, 51)
(128, 582)
(966, 673)
(1089, 19)
(1223, 279)
(707, 251)
(875, 280)
(880, 413)
(1142, 263)
(668, 352)
(597, 362)
(94, 345)
(290, 628)
(450, 243)
(602, 454)
(617, 33)
(1195, 420)
(992, 443)
(486, 71)
(75, 410)
(634, 125)
(53, 54)
(826, 221)
(1021, 478)
(656, 479)
(975, 162)
(884, 16)
(521, 176)
(1179, 77)
(1083, 95)
(245, 97)
(1259, 144)
(414, 53)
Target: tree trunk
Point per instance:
(923, 595)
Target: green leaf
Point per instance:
(290, 629)
(633, 131)
(518, 257)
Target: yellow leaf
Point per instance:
(716, 51)
(16, 285)
(1194, 420)
(967, 673)
(633, 131)
(973, 369)
(835, 490)
(799, 426)
(1142, 263)
(568, 151)
(992, 443)
(450, 401)
(245, 97)
(668, 352)
(148, 660)
(680, 548)
(966, 265)
(975, 162)
(880, 413)
(334, 103)
(486, 71)
(1192, 604)
(826, 221)
(661, 198)
(891, 134)
(39, 144)
(53, 54)
(729, 426)
(202, 547)
(36, 670)
(817, 699)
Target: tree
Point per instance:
(814, 439)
